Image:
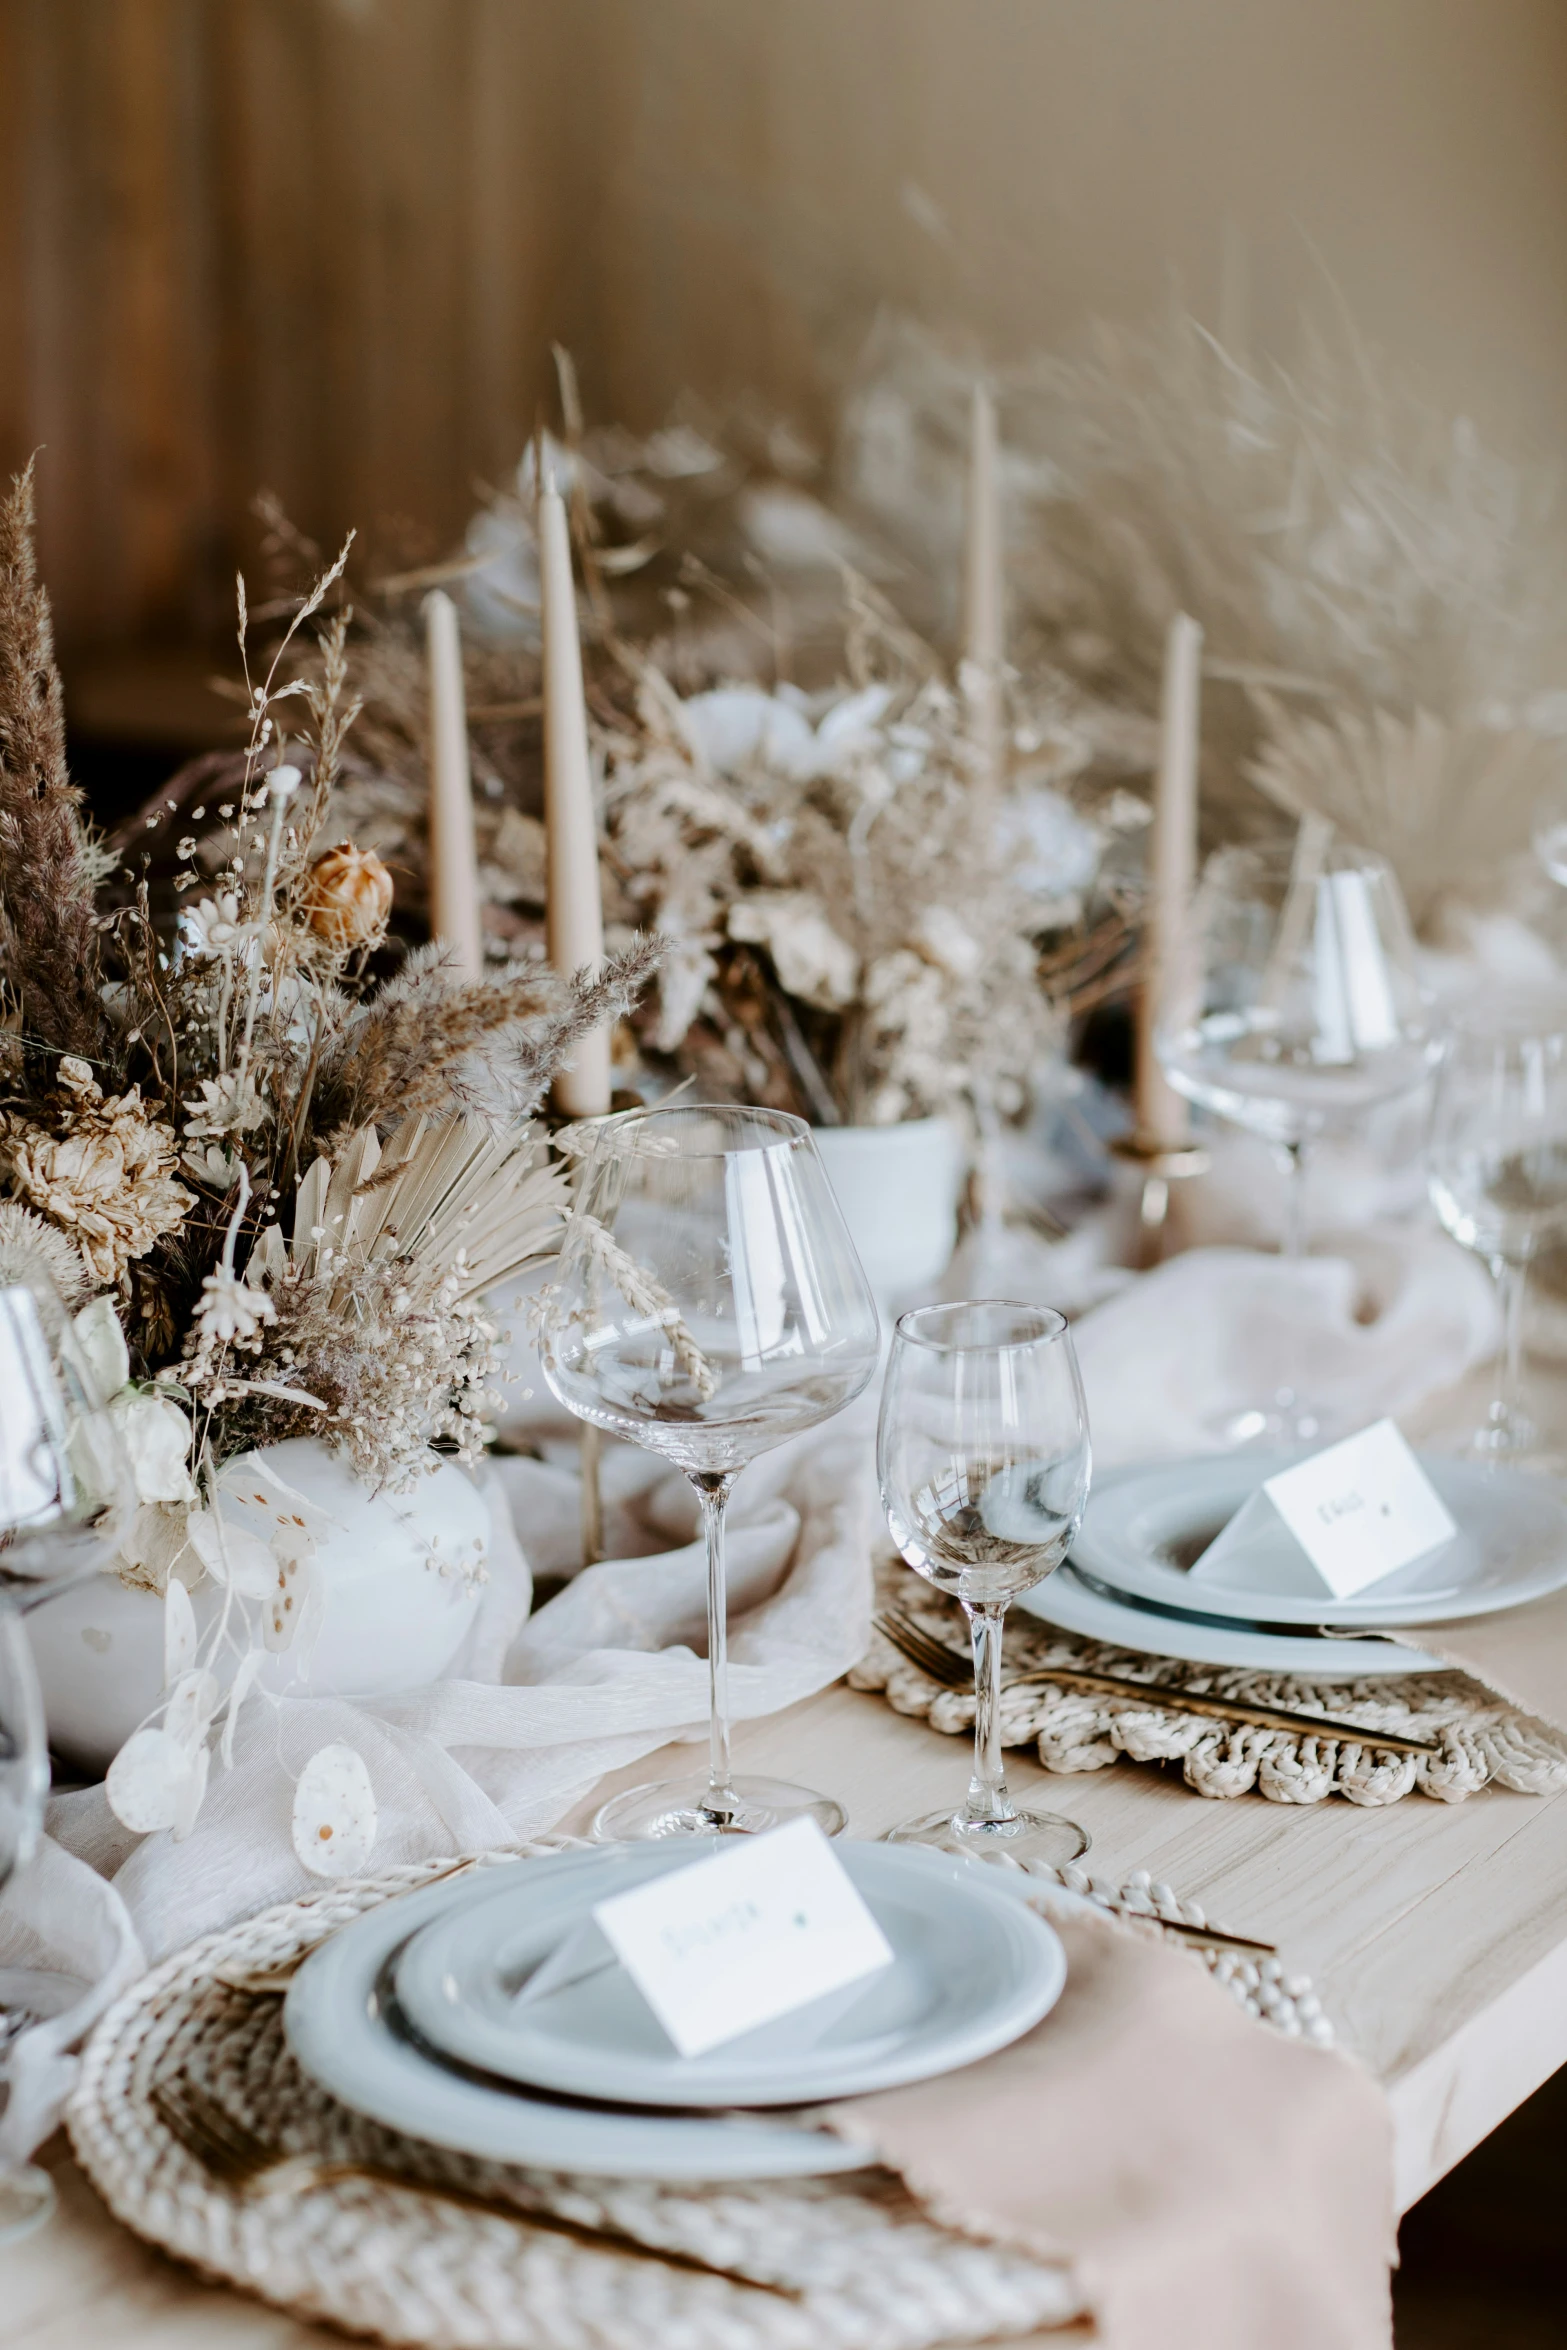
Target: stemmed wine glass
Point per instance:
(26, 2192)
(983, 1458)
(709, 1304)
(1498, 1177)
(67, 1487)
(66, 1490)
(1298, 1013)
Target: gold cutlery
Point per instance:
(239, 2159)
(940, 1663)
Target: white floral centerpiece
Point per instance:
(854, 927)
(271, 1172)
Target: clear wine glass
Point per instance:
(1498, 1177)
(26, 2192)
(67, 1487)
(1298, 1012)
(984, 1462)
(709, 1304)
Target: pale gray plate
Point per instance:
(1144, 1526)
(972, 1970)
(344, 2028)
(1149, 1629)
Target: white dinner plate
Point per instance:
(1097, 1613)
(1144, 1527)
(344, 2028)
(972, 1970)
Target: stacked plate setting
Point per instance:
(412, 2015)
(1128, 1580)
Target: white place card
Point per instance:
(32, 1416)
(1343, 1519)
(767, 1925)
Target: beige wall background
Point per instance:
(324, 244)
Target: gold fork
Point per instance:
(940, 1663)
(239, 2159)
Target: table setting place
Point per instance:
(409, 1433)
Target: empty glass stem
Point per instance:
(988, 1800)
(1293, 1155)
(1511, 1275)
(713, 1490)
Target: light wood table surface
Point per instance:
(1437, 1935)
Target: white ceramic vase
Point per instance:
(398, 1596)
(898, 1187)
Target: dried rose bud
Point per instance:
(349, 897)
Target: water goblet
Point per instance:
(709, 1305)
(1298, 1012)
(983, 1458)
(1498, 1178)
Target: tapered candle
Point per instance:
(574, 909)
(984, 589)
(1163, 1117)
(454, 864)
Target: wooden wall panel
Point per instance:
(323, 245)
(293, 244)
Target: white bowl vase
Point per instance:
(898, 1187)
(398, 1588)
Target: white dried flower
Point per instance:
(35, 1255)
(107, 1178)
(812, 961)
(223, 1105)
(101, 1342)
(231, 1312)
(942, 939)
(214, 927)
(156, 1436)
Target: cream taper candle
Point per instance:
(454, 864)
(574, 907)
(984, 589)
(1162, 1116)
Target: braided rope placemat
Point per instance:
(1482, 1739)
(809, 2264)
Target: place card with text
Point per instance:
(766, 1925)
(1348, 1516)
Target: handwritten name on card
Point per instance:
(1356, 1512)
(735, 1941)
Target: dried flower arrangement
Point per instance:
(859, 924)
(1381, 596)
(174, 1102)
(845, 934)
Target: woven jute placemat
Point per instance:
(767, 2265)
(1480, 1740)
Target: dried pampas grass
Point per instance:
(48, 930)
(1383, 598)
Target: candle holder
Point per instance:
(1161, 1164)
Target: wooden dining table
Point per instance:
(1435, 1933)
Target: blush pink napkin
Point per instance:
(1214, 2185)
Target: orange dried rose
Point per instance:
(349, 897)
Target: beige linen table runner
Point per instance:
(1214, 2185)
(1521, 1653)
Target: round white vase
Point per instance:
(898, 1187)
(398, 1589)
